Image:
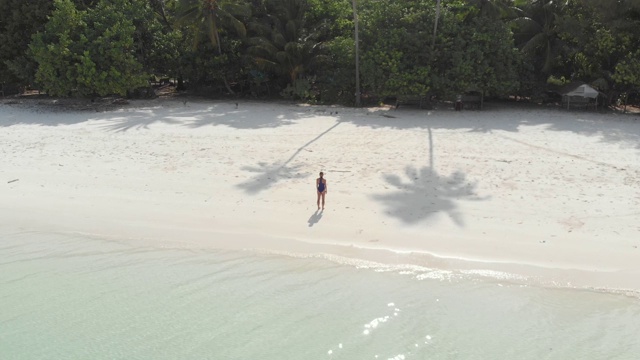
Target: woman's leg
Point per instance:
(323, 193)
(319, 199)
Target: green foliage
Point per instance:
(396, 56)
(627, 71)
(301, 89)
(203, 67)
(336, 17)
(306, 47)
(86, 53)
(283, 42)
(599, 41)
(493, 9)
(496, 58)
(529, 82)
(157, 44)
(476, 56)
(335, 29)
(536, 32)
(469, 53)
(209, 17)
(336, 78)
(552, 80)
(19, 20)
(160, 53)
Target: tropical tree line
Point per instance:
(305, 49)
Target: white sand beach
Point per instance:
(543, 193)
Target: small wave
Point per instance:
(420, 272)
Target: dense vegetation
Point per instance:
(304, 49)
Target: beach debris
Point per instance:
(388, 116)
(11, 181)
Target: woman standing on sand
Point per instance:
(321, 186)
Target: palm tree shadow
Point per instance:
(123, 124)
(426, 193)
(315, 217)
(268, 175)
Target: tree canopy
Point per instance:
(88, 52)
(305, 48)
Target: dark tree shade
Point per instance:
(19, 20)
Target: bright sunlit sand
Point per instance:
(543, 193)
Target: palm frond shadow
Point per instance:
(268, 175)
(424, 193)
(133, 122)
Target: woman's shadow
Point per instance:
(315, 217)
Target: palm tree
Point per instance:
(208, 16)
(535, 32)
(282, 43)
(158, 7)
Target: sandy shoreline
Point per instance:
(536, 192)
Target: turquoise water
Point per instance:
(72, 297)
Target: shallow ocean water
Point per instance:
(76, 297)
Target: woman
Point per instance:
(321, 186)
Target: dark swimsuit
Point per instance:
(321, 186)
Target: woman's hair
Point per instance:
(321, 173)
